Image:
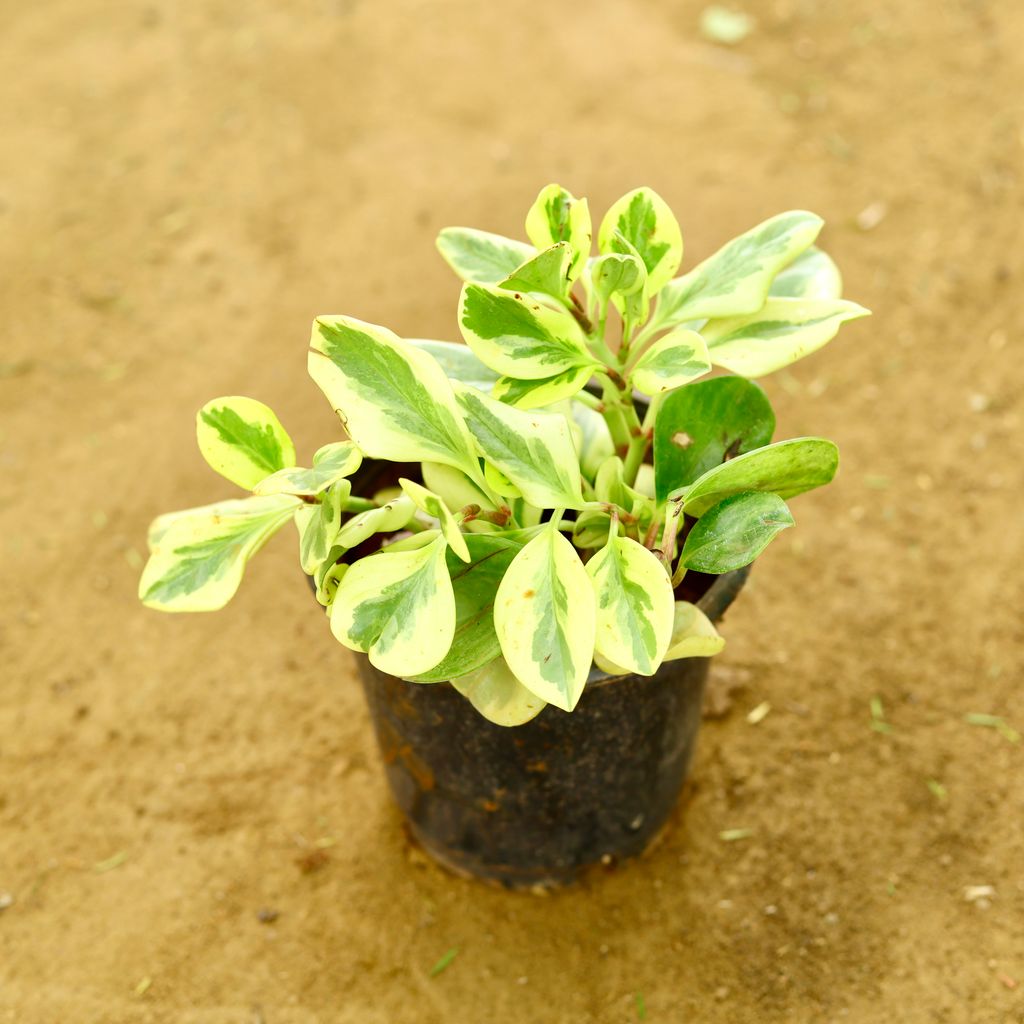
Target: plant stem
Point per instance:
(355, 504)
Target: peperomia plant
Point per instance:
(556, 476)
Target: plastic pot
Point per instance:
(539, 803)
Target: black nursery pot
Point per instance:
(539, 803)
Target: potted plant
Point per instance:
(529, 537)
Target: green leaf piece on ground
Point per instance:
(734, 532)
(702, 424)
(786, 468)
(243, 440)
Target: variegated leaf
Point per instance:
(735, 280)
(455, 488)
(430, 503)
(394, 515)
(394, 398)
(779, 333)
(331, 463)
(558, 216)
(545, 617)
(591, 437)
(319, 525)
(534, 394)
(617, 274)
(475, 584)
(397, 607)
(458, 362)
(534, 450)
(734, 532)
(197, 557)
(496, 693)
(812, 275)
(517, 336)
(480, 256)
(693, 634)
(547, 272)
(676, 359)
(328, 576)
(644, 220)
(243, 440)
(634, 606)
(787, 468)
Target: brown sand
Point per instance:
(182, 188)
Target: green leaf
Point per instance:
(545, 617)
(591, 437)
(558, 216)
(394, 398)
(481, 257)
(786, 469)
(496, 693)
(693, 634)
(676, 359)
(328, 575)
(517, 336)
(735, 280)
(331, 463)
(397, 607)
(476, 585)
(533, 394)
(617, 274)
(534, 450)
(779, 333)
(428, 502)
(644, 220)
(812, 275)
(243, 440)
(634, 606)
(319, 525)
(734, 532)
(701, 425)
(458, 362)
(547, 272)
(197, 557)
(395, 515)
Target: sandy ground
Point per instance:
(183, 187)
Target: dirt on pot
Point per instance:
(182, 188)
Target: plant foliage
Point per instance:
(556, 476)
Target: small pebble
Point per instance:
(267, 915)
